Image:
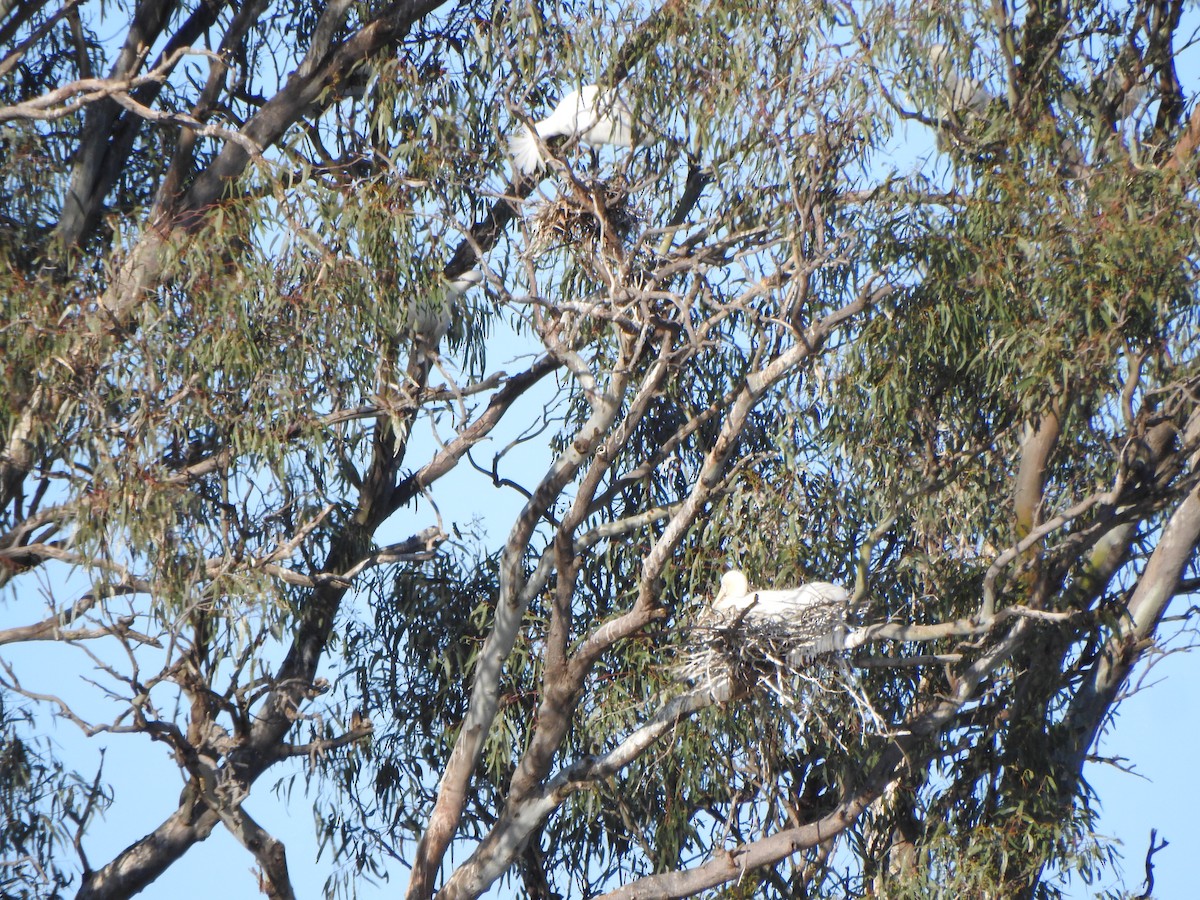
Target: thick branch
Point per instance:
(267, 849)
(519, 820)
(1132, 633)
(147, 858)
(510, 608)
(562, 685)
(909, 750)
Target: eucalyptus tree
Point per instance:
(253, 255)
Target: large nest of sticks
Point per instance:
(595, 215)
(784, 657)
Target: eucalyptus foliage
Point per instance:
(429, 559)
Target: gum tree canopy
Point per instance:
(829, 324)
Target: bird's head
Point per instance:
(733, 584)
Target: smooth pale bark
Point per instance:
(1157, 585)
(510, 609)
(528, 806)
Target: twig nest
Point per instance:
(752, 653)
(596, 216)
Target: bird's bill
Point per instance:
(720, 596)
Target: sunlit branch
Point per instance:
(894, 631)
(49, 106)
(987, 609)
(418, 548)
(510, 608)
(51, 630)
(267, 849)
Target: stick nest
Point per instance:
(782, 656)
(595, 215)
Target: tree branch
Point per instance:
(903, 753)
(268, 850)
(510, 608)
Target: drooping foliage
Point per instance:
(918, 321)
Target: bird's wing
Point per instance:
(464, 282)
(572, 111)
(591, 115)
(825, 593)
(797, 602)
(961, 93)
(968, 94)
(523, 146)
(575, 113)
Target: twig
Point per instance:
(51, 628)
(988, 608)
(89, 90)
(1150, 851)
(319, 747)
(419, 547)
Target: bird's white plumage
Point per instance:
(432, 316)
(591, 115)
(464, 282)
(789, 605)
(957, 95)
(1138, 87)
(750, 636)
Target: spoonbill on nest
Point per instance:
(791, 605)
(811, 618)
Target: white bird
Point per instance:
(591, 115)
(957, 95)
(1132, 89)
(790, 605)
(464, 282)
(812, 617)
(432, 319)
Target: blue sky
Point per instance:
(1156, 730)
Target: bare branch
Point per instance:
(319, 748)
(49, 106)
(510, 607)
(418, 548)
(267, 849)
(1154, 847)
(54, 628)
